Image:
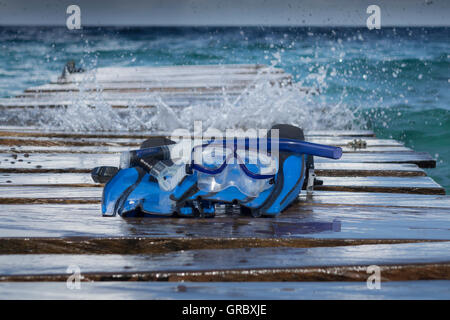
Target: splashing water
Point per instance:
(260, 105)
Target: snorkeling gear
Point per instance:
(260, 176)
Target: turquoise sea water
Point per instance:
(394, 80)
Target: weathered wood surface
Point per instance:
(421, 185)
(336, 198)
(139, 73)
(77, 160)
(408, 290)
(163, 79)
(352, 169)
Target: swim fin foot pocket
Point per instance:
(137, 190)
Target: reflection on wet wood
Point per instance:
(304, 220)
(331, 290)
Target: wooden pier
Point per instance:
(376, 206)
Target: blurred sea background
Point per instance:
(394, 81)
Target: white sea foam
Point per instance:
(260, 105)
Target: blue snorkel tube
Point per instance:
(132, 158)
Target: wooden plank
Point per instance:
(127, 96)
(121, 73)
(344, 141)
(57, 161)
(314, 134)
(205, 85)
(62, 149)
(336, 198)
(167, 77)
(12, 140)
(82, 161)
(137, 290)
(417, 185)
(214, 260)
(322, 169)
(27, 139)
(47, 179)
(422, 159)
(302, 220)
(14, 194)
(353, 169)
(341, 133)
(73, 142)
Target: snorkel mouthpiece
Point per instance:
(129, 159)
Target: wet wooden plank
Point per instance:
(19, 141)
(105, 79)
(323, 169)
(354, 169)
(127, 96)
(336, 198)
(125, 73)
(249, 259)
(405, 290)
(57, 161)
(417, 185)
(80, 161)
(422, 159)
(119, 73)
(119, 103)
(302, 220)
(341, 133)
(47, 179)
(33, 194)
(14, 139)
(414, 185)
(344, 141)
(153, 245)
(63, 149)
(29, 132)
